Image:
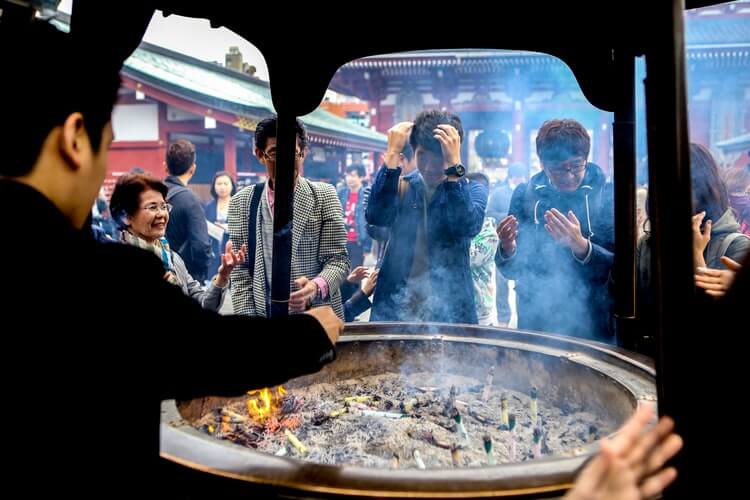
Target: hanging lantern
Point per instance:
(492, 144)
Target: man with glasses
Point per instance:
(557, 241)
(320, 262)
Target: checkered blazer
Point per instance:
(318, 246)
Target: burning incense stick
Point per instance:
(358, 406)
(295, 442)
(233, 417)
(504, 411)
(451, 402)
(488, 449)
(537, 447)
(383, 414)
(408, 405)
(418, 460)
(534, 405)
(512, 436)
(225, 427)
(456, 455)
(488, 384)
(460, 423)
(357, 399)
(336, 413)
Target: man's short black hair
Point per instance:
(422, 134)
(46, 78)
(360, 169)
(180, 157)
(267, 129)
(559, 139)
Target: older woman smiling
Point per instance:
(139, 208)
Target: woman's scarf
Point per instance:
(159, 247)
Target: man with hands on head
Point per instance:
(433, 213)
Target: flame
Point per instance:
(264, 402)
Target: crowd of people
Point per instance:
(446, 239)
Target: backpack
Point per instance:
(714, 258)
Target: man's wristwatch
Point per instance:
(458, 170)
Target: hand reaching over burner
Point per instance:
(369, 287)
(229, 260)
(507, 231)
(630, 466)
(329, 321)
(358, 274)
(716, 282)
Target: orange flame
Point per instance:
(264, 402)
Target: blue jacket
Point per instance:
(453, 217)
(555, 292)
(360, 224)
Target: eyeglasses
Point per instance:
(571, 167)
(272, 155)
(155, 208)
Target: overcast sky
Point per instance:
(196, 38)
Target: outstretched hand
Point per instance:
(229, 260)
(507, 231)
(716, 282)
(700, 238)
(630, 466)
(358, 274)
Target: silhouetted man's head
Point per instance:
(60, 110)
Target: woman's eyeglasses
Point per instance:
(155, 208)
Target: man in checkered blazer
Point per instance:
(320, 262)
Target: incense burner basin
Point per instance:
(568, 373)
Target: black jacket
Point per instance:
(187, 231)
(94, 338)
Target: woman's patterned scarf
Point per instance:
(159, 247)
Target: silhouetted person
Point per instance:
(98, 337)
